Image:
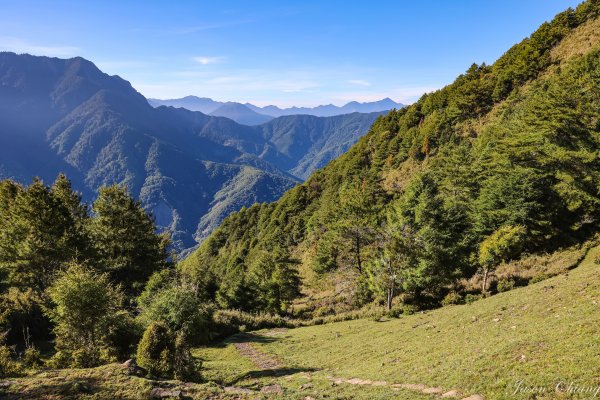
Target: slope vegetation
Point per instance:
(502, 162)
(538, 342)
(541, 342)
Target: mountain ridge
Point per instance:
(65, 115)
(207, 106)
(241, 114)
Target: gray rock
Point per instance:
(160, 393)
(272, 389)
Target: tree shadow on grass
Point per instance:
(63, 389)
(249, 338)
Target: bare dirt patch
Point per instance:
(417, 387)
(260, 359)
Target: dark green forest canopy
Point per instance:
(513, 144)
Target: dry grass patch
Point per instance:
(582, 40)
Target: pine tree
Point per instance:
(357, 219)
(62, 191)
(125, 239)
(8, 193)
(275, 280)
(37, 237)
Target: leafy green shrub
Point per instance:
(185, 368)
(156, 351)
(365, 312)
(471, 298)
(538, 278)
(324, 311)
(504, 285)
(124, 336)
(452, 298)
(86, 309)
(395, 312)
(409, 309)
(86, 357)
(177, 306)
(8, 367)
(31, 358)
(60, 359)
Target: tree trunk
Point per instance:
(390, 291)
(485, 278)
(357, 250)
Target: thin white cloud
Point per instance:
(359, 82)
(18, 45)
(208, 26)
(300, 86)
(204, 60)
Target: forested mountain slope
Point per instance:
(67, 116)
(301, 144)
(502, 162)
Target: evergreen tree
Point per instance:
(37, 237)
(357, 219)
(125, 239)
(396, 269)
(275, 280)
(432, 231)
(62, 191)
(8, 193)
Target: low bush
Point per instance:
(471, 298)
(185, 367)
(32, 358)
(177, 306)
(228, 322)
(504, 285)
(155, 351)
(452, 298)
(166, 354)
(8, 366)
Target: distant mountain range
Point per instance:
(241, 114)
(249, 114)
(188, 168)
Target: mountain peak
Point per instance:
(209, 106)
(240, 114)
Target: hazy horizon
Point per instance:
(302, 55)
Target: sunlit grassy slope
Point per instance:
(543, 335)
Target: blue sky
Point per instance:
(301, 53)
